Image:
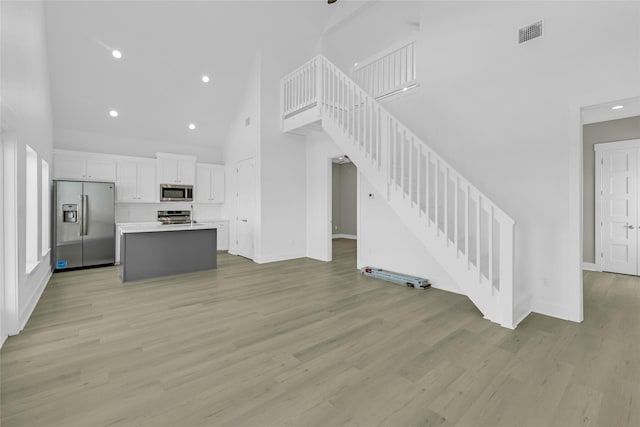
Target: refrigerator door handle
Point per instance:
(83, 224)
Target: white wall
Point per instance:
(374, 27)
(506, 116)
(384, 241)
(26, 119)
(69, 139)
(148, 212)
(320, 150)
(243, 142)
(282, 162)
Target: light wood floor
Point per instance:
(306, 343)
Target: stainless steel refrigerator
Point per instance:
(84, 225)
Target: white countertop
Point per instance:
(155, 227)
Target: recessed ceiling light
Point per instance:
(113, 113)
(205, 79)
(617, 107)
(355, 65)
(116, 54)
(192, 126)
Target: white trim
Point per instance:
(617, 145)
(28, 308)
(599, 150)
(344, 236)
(278, 257)
(3, 328)
(589, 266)
(597, 221)
(11, 274)
(329, 208)
(573, 279)
(30, 266)
(522, 309)
(550, 309)
(359, 244)
(453, 289)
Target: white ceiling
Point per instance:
(605, 112)
(166, 46)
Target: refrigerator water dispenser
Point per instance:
(70, 213)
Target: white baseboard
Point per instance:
(522, 309)
(27, 310)
(589, 266)
(277, 257)
(345, 236)
(549, 309)
(442, 286)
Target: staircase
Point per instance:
(468, 234)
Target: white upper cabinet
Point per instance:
(127, 181)
(147, 186)
(176, 169)
(209, 185)
(136, 180)
(83, 166)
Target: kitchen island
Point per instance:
(153, 250)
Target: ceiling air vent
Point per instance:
(530, 32)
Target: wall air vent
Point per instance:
(530, 32)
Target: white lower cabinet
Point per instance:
(136, 181)
(222, 234)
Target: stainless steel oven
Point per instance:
(176, 193)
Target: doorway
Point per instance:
(616, 210)
(344, 209)
(245, 208)
(344, 198)
(600, 125)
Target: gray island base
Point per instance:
(147, 254)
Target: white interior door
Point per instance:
(619, 210)
(245, 202)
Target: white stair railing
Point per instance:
(299, 89)
(471, 237)
(388, 72)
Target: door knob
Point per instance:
(630, 227)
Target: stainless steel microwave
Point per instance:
(176, 193)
